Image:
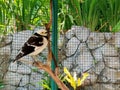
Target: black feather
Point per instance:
(35, 40)
(36, 34)
(26, 49)
(40, 35)
(18, 56)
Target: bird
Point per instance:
(34, 45)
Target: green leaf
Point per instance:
(116, 28)
(1, 85)
(35, 69)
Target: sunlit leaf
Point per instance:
(1, 85)
(116, 28)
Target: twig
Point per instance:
(102, 26)
(50, 54)
(47, 67)
(52, 74)
(49, 58)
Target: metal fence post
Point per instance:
(54, 38)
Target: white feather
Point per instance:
(41, 48)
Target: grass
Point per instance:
(98, 15)
(17, 15)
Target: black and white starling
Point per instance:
(34, 45)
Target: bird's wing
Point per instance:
(35, 41)
(26, 49)
(29, 46)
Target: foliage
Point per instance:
(99, 15)
(22, 14)
(116, 28)
(65, 77)
(110, 13)
(1, 85)
(45, 82)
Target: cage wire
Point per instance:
(92, 53)
(81, 51)
(20, 76)
(95, 53)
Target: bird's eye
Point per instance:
(43, 32)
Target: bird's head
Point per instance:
(42, 32)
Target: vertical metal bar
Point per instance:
(54, 38)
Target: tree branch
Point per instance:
(50, 54)
(47, 67)
(52, 74)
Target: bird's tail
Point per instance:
(18, 57)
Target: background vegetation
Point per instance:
(98, 15)
(16, 15)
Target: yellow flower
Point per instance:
(72, 80)
(80, 81)
(69, 78)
